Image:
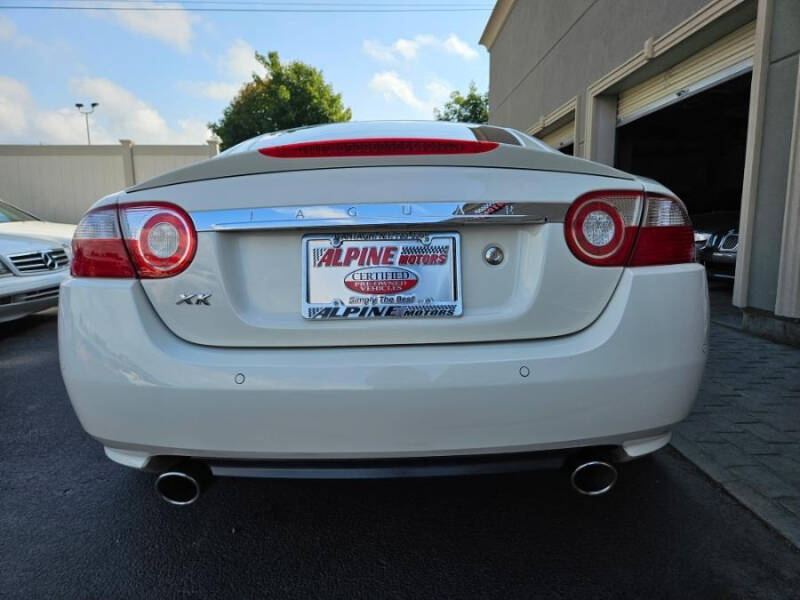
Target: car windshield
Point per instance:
(9, 214)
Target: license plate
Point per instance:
(381, 275)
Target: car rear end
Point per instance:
(375, 299)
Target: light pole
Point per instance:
(86, 114)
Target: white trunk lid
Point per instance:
(250, 277)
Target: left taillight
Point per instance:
(147, 239)
(97, 246)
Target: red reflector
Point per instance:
(377, 147)
(663, 246)
(97, 246)
(100, 258)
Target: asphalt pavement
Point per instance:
(75, 525)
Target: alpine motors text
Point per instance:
(380, 275)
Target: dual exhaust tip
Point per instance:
(592, 477)
(184, 484)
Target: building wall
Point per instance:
(59, 183)
(554, 55)
(775, 149)
(549, 52)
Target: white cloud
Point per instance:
(132, 117)
(438, 92)
(120, 115)
(409, 49)
(216, 90)
(394, 88)
(63, 126)
(9, 34)
(21, 120)
(236, 67)
(378, 51)
(454, 45)
(7, 29)
(240, 62)
(173, 27)
(14, 96)
(406, 48)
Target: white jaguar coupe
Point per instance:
(384, 299)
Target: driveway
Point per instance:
(73, 524)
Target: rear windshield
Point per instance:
(487, 133)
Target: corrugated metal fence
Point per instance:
(58, 183)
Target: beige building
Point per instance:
(702, 95)
(58, 183)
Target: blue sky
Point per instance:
(161, 76)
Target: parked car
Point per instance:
(34, 259)
(383, 299)
(716, 237)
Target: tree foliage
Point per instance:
(290, 95)
(472, 107)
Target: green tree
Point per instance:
(470, 108)
(290, 95)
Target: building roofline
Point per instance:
(497, 19)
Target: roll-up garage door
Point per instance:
(726, 58)
(560, 137)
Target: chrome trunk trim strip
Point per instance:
(338, 216)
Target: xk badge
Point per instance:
(195, 299)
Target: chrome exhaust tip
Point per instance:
(593, 477)
(184, 484)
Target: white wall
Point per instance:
(58, 183)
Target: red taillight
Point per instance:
(160, 237)
(377, 147)
(155, 240)
(666, 236)
(618, 228)
(601, 226)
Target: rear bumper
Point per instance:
(623, 381)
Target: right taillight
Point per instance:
(144, 239)
(629, 228)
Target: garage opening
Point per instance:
(562, 138)
(696, 147)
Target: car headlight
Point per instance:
(701, 237)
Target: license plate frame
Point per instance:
(411, 282)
